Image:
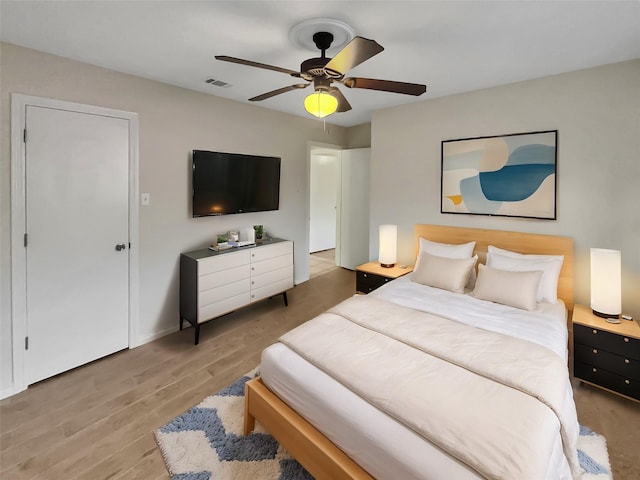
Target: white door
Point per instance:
(353, 236)
(77, 194)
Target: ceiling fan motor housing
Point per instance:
(313, 67)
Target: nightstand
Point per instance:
(606, 355)
(370, 276)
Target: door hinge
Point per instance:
(26, 343)
(24, 135)
(25, 239)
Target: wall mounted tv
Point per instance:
(225, 183)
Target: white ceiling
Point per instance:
(452, 46)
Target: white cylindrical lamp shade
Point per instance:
(606, 282)
(388, 245)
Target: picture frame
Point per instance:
(512, 175)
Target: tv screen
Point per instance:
(225, 183)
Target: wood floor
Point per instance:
(322, 262)
(97, 421)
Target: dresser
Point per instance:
(216, 283)
(606, 355)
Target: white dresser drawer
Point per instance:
(214, 295)
(275, 263)
(223, 262)
(270, 290)
(224, 277)
(224, 306)
(259, 281)
(269, 251)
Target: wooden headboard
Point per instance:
(515, 241)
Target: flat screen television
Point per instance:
(226, 183)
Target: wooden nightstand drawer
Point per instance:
(600, 376)
(625, 366)
(611, 342)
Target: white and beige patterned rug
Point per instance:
(206, 443)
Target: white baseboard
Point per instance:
(9, 391)
(151, 337)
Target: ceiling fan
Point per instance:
(323, 71)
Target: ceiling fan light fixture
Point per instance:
(320, 104)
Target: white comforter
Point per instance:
(454, 379)
(546, 326)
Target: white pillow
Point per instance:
(516, 289)
(550, 266)
(464, 250)
(442, 272)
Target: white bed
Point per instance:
(378, 443)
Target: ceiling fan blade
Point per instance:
(249, 63)
(273, 93)
(354, 53)
(416, 89)
(343, 104)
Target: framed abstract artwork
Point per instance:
(505, 175)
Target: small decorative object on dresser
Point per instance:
(606, 355)
(259, 229)
(372, 275)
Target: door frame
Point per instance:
(19, 103)
(311, 146)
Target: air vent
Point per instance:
(217, 83)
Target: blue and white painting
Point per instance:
(508, 175)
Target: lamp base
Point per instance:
(387, 265)
(605, 315)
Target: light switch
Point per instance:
(145, 198)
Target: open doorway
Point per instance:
(338, 208)
(324, 190)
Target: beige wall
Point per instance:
(597, 115)
(359, 136)
(172, 121)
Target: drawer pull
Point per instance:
(626, 360)
(594, 331)
(364, 275)
(626, 339)
(595, 350)
(594, 370)
(627, 381)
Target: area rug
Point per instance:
(206, 443)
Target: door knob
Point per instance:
(120, 246)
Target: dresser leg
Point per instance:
(197, 333)
(181, 320)
(284, 296)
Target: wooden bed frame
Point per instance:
(310, 447)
